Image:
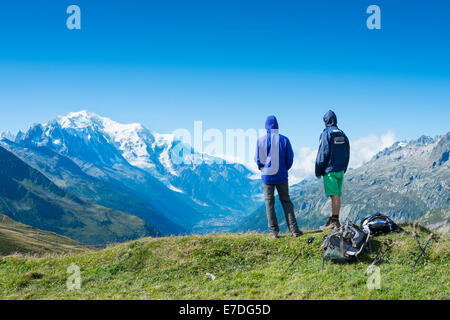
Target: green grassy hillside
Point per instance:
(246, 266)
(19, 238)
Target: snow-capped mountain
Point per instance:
(197, 196)
(66, 174)
(7, 135)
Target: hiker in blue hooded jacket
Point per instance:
(274, 157)
(331, 164)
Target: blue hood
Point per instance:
(271, 123)
(285, 154)
(330, 119)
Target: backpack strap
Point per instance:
(341, 243)
(365, 242)
(329, 134)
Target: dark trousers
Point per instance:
(288, 207)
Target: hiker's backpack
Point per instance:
(345, 243)
(377, 223)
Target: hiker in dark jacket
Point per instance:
(274, 157)
(331, 164)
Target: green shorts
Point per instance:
(333, 183)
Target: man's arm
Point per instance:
(347, 142)
(289, 154)
(323, 154)
(258, 162)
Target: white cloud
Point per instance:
(362, 150)
(303, 166)
(7, 135)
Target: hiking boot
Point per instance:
(333, 222)
(274, 235)
(297, 234)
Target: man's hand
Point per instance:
(319, 177)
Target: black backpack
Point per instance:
(377, 223)
(345, 243)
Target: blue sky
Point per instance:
(230, 63)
